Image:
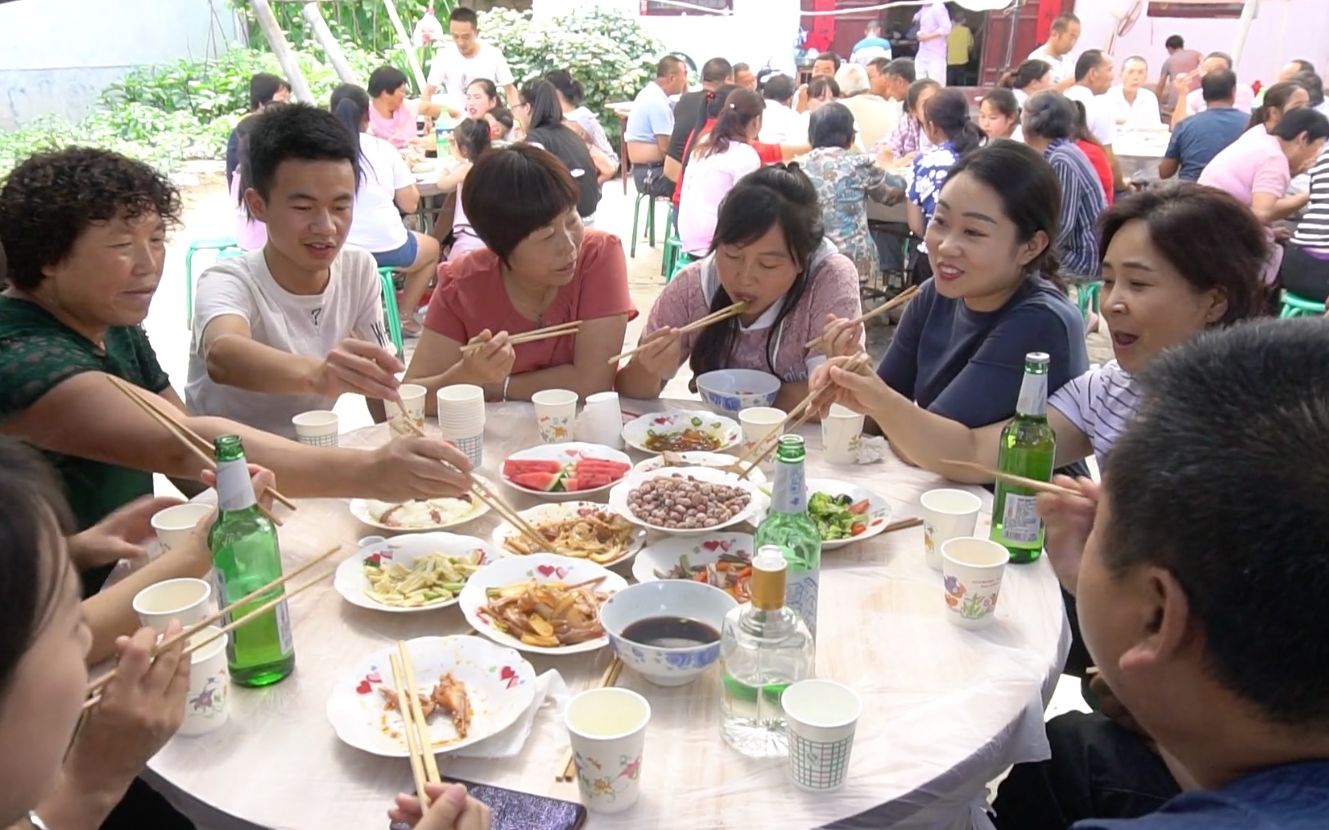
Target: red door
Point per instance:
(1029, 20)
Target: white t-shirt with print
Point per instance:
(1098, 113)
(311, 325)
(453, 72)
(376, 225)
(706, 181)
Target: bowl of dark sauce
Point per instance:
(669, 630)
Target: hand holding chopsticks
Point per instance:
(508, 513)
(569, 329)
(895, 302)
(696, 325)
(1010, 478)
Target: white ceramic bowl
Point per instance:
(350, 580)
(662, 665)
(730, 390)
(724, 432)
(568, 453)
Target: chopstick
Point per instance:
(417, 722)
(714, 317)
(409, 422)
(507, 512)
(607, 680)
(893, 303)
(221, 632)
(413, 747)
(546, 333)
(903, 524)
(1011, 478)
(97, 684)
(193, 440)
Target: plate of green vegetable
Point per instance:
(844, 512)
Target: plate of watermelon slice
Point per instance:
(560, 472)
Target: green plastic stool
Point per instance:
(650, 221)
(225, 246)
(1294, 306)
(1086, 297)
(390, 312)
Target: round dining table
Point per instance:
(945, 709)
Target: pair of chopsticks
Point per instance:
(893, 303)
(507, 512)
(96, 686)
(799, 416)
(568, 772)
(424, 766)
(192, 440)
(568, 329)
(1011, 478)
(696, 325)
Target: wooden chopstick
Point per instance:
(212, 618)
(903, 524)
(714, 317)
(507, 512)
(421, 725)
(221, 632)
(1011, 478)
(413, 747)
(560, 330)
(199, 444)
(607, 680)
(891, 304)
(411, 425)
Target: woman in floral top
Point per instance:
(947, 125)
(844, 179)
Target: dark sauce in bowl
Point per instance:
(670, 632)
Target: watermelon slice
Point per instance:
(516, 466)
(545, 481)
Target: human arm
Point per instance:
(1170, 164)
(1168, 167)
(1182, 108)
(407, 198)
(513, 98)
(917, 226)
(438, 361)
(604, 168)
(451, 179)
(1118, 181)
(1068, 520)
(588, 373)
(1269, 208)
(450, 809)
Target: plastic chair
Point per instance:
(390, 313)
(1295, 306)
(1086, 297)
(650, 221)
(226, 246)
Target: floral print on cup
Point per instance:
(970, 605)
(608, 784)
(555, 429)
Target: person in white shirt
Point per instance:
(1133, 105)
(1193, 101)
(469, 58)
(291, 326)
(1062, 37)
(874, 116)
(1093, 78)
(719, 159)
(779, 123)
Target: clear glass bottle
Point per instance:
(764, 647)
(789, 527)
(245, 557)
(1028, 448)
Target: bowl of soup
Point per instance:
(731, 390)
(667, 631)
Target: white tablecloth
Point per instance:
(945, 710)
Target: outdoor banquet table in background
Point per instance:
(1139, 152)
(945, 709)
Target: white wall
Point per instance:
(758, 32)
(1283, 30)
(57, 55)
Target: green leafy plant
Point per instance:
(363, 22)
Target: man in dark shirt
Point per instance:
(689, 113)
(1204, 135)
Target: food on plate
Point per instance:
(730, 573)
(434, 577)
(674, 459)
(689, 438)
(447, 696)
(597, 535)
(417, 514)
(554, 476)
(838, 517)
(547, 614)
(684, 502)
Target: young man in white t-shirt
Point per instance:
(468, 59)
(1093, 78)
(289, 327)
(1062, 37)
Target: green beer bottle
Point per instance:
(245, 557)
(1028, 446)
(789, 527)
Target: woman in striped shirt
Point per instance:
(1049, 127)
(1306, 261)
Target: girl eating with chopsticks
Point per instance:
(544, 306)
(766, 287)
(993, 297)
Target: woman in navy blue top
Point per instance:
(959, 350)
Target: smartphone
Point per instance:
(513, 810)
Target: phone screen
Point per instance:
(513, 810)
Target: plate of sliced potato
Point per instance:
(417, 572)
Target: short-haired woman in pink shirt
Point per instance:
(770, 252)
(539, 268)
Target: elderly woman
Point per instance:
(874, 116)
(390, 117)
(540, 268)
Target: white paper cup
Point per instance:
(411, 411)
(317, 428)
(461, 410)
(555, 410)
(947, 514)
(758, 423)
(841, 433)
(971, 569)
(821, 716)
(184, 599)
(601, 420)
(607, 727)
(209, 685)
(174, 525)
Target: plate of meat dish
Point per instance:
(682, 432)
(419, 514)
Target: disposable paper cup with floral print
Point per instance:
(206, 707)
(317, 428)
(184, 599)
(947, 514)
(971, 570)
(821, 716)
(841, 434)
(175, 525)
(410, 412)
(555, 411)
(758, 423)
(607, 727)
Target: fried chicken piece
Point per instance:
(427, 704)
(450, 697)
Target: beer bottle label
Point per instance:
(1019, 521)
(284, 629)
